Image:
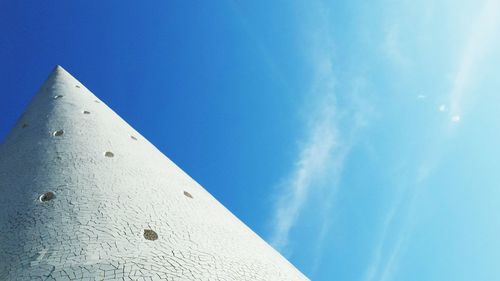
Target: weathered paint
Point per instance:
(86, 197)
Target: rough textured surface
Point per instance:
(109, 190)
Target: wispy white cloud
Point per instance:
(323, 147)
(320, 160)
(314, 158)
(393, 259)
(384, 263)
(319, 142)
(479, 41)
(375, 265)
(394, 235)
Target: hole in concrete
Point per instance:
(188, 194)
(96, 101)
(58, 97)
(150, 235)
(109, 154)
(77, 86)
(132, 137)
(58, 133)
(47, 196)
(86, 112)
(24, 125)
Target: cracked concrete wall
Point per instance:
(86, 197)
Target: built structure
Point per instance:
(85, 197)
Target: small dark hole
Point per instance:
(96, 101)
(77, 86)
(150, 235)
(24, 125)
(188, 194)
(47, 196)
(58, 133)
(109, 154)
(86, 112)
(132, 137)
(58, 97)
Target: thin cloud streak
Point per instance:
(313, 158)
(321, 158)
(374, 267)
(331, 132)
(320, 142)
(384, 264)
(478, 43)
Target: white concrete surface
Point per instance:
(119, 209)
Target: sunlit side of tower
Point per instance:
(86, 197)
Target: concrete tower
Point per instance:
(86, 197)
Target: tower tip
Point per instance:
(58, 68)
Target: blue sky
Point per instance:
(360, 138)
